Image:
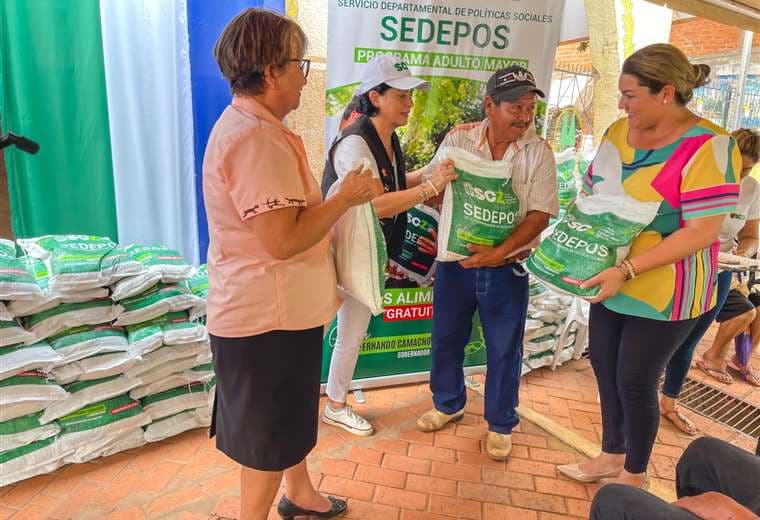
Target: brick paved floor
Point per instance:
(398, 474)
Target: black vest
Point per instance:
(393, 227)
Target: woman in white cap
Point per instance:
(384, 102)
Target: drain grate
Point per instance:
(721, 407)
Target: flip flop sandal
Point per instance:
(719, 376)
(747, 374)
(681, 422)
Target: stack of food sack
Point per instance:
(547, 312)
(572, 165)
(102, 349)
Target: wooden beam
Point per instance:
(727, 12)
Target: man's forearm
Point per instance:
(530, 228)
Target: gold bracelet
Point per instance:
(629, 270)
(423, 194)
(435, 190)
(632, 268)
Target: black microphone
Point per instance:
(21, 142)
(27, 145)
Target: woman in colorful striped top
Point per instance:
(661, 152)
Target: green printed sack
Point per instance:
(479, 207)
(174, 328)
(25, 430)
(94, 367)
(144, 337)
(588, 152)
(179, 329)
(107, 445)
(197, 285)
(48, 298)
(87, 427)
(37, 458)
(567, 182)
(83, 393)
(176, 424)
(416, 265)
(12, 332)
(361, 256)
(79, 262)
(165, 361)
(201, 370)
(156, 301)
(595, 234)
(16, 282)
(159, 264)
(17, 359)
(211, 389)
(28, 393)
(176, 400)
(70, 315)
(88, 340)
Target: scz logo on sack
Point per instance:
(485, 195)
(417, 222)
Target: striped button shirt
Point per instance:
(534, 175)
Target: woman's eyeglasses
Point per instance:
(304, 65)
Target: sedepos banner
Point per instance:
(456, 45)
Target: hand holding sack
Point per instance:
(360, 252)
(479, 207)
(596, 233)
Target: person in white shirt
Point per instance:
(384, 100)
(733, 310)
(491, 281)
(738, 313)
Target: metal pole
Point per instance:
(741, 86)
(726, 106)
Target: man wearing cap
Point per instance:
(384, 100)
(491, 281)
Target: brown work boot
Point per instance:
(498, 445)
(434, 420)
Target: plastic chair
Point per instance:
(579, 311)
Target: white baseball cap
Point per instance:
(392, 71)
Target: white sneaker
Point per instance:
(347, 419)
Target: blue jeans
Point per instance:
(500, 295)
(679, 364)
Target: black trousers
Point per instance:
(708, 464)
(628, 355)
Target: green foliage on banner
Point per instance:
(337, 98)
(449, 102)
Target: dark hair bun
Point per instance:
(701, 74)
